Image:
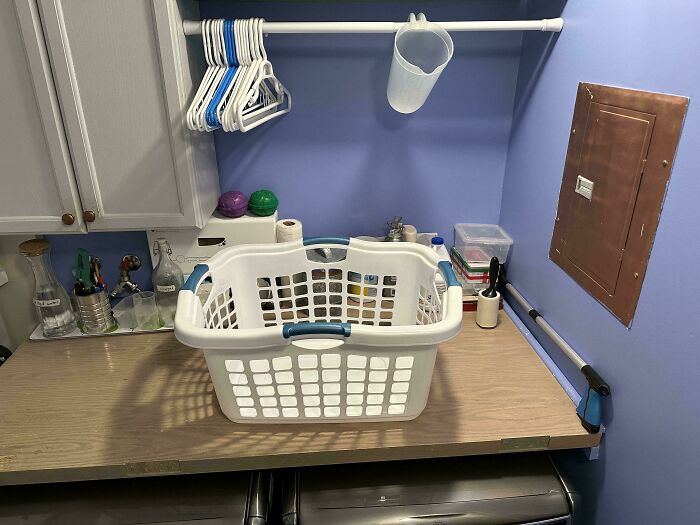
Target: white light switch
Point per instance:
(584, 187)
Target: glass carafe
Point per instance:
(167, 281)
(50, 298)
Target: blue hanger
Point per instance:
(230, 45)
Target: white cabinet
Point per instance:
(123, 78)
(37, 186)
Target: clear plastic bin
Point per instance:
(479, 242)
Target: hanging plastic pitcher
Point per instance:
(421, 51)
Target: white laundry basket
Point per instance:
(320, 330)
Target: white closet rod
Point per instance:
(194, 27)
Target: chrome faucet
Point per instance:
(395, 230)
(129, 263)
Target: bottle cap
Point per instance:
(436, 241)
(34, 247)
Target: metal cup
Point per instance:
(95, 313)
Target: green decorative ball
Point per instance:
(263, 203)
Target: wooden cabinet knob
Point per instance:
(89, 216)
(67, 219)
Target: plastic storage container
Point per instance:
(291, 338)
(421, 52)
(477, 243)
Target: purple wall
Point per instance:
(649, 470)
(343, 161)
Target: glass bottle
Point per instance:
(167, 281)
(50, 298)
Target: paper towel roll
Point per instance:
(288, 230)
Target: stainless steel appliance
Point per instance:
(486, 490)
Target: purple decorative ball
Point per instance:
(233, 203)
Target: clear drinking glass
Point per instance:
(167, 281)
(50, 298)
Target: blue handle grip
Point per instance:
(195, 277)
(291, 330)
(448, 273)
(589, 411)
(309, 241)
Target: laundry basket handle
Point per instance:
(195, 277)
(448, 273)
(337, 329)
(310, 241)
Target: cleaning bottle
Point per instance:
(167, 281)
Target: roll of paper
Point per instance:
(288, 230)
(410, 234)
(487, 310)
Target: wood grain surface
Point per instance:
(142, 405)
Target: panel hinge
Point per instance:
(644, 165)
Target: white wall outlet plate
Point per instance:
(584, 187)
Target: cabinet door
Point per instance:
(114, 71)
(37, 186)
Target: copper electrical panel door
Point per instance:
(618, 163)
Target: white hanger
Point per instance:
(266, 87)
(242, 100)
(227, 95)
(218, 54)
(244, 33)
(253, 94)
(197, 101)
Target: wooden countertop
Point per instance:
(139, 405)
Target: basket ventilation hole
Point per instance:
(312, 401)
(374, 410)
(262, 379)
(286, 390)
(308, 376)
(270, 412)
(353, 411)
(331, 411)
(234, 365)
(265, 390)
(309, 389)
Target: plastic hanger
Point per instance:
(250, 63)
(212, 112)
(239, 90)
(200, 102)
(197, 101)
(250, 91)
(233, 76)
(239, 43)
(208, 120)
(265, 86)
(246, 59)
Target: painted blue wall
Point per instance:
(649, 470)
(343, 161)
(109, 247)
